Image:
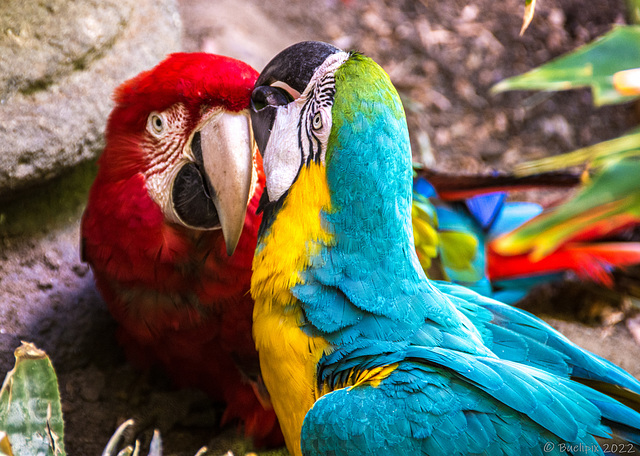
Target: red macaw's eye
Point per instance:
(192, 192)
(155, 124)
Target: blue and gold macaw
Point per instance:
(361, 353)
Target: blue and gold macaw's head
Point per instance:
(336, 232)
(291, 110)
(315, 105)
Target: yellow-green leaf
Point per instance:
(529, 9)
(595, 156)
(592, 65)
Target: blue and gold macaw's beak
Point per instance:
(283, 79)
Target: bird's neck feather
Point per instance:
(295, 235)
(369, 165)
(288, 356)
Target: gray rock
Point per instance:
(242, 30)
(59, 63)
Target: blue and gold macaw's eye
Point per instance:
(317, 122)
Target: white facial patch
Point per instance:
(301, 129)
(283, 159)
(168, 151)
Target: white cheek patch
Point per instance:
(283, 157)
(293, 140)
(160, 187)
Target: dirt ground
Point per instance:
(443, 56)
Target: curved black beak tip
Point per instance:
(264, 103)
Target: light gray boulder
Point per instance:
(59, 63)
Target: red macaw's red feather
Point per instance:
(179, 299)
(592, 261)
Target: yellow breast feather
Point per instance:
(370, 377)
(288, 356)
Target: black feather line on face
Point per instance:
(317, 156)
(306, 118)
(269, 211)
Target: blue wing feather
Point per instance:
(425, 410)
(529, 330)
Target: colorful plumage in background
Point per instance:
(475, 237)
(360, 352)
(606, 206)
(176, 193)
(452, 238)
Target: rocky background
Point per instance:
(60, 60)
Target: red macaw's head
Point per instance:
(184, 125)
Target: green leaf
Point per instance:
(30, 411)
(592, 65)
(595, 156)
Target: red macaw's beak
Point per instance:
(213, 190)
(227, 145)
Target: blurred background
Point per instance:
(61, 59)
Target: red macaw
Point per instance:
(157, 229)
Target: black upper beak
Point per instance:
(293, 66)
(264, 103)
